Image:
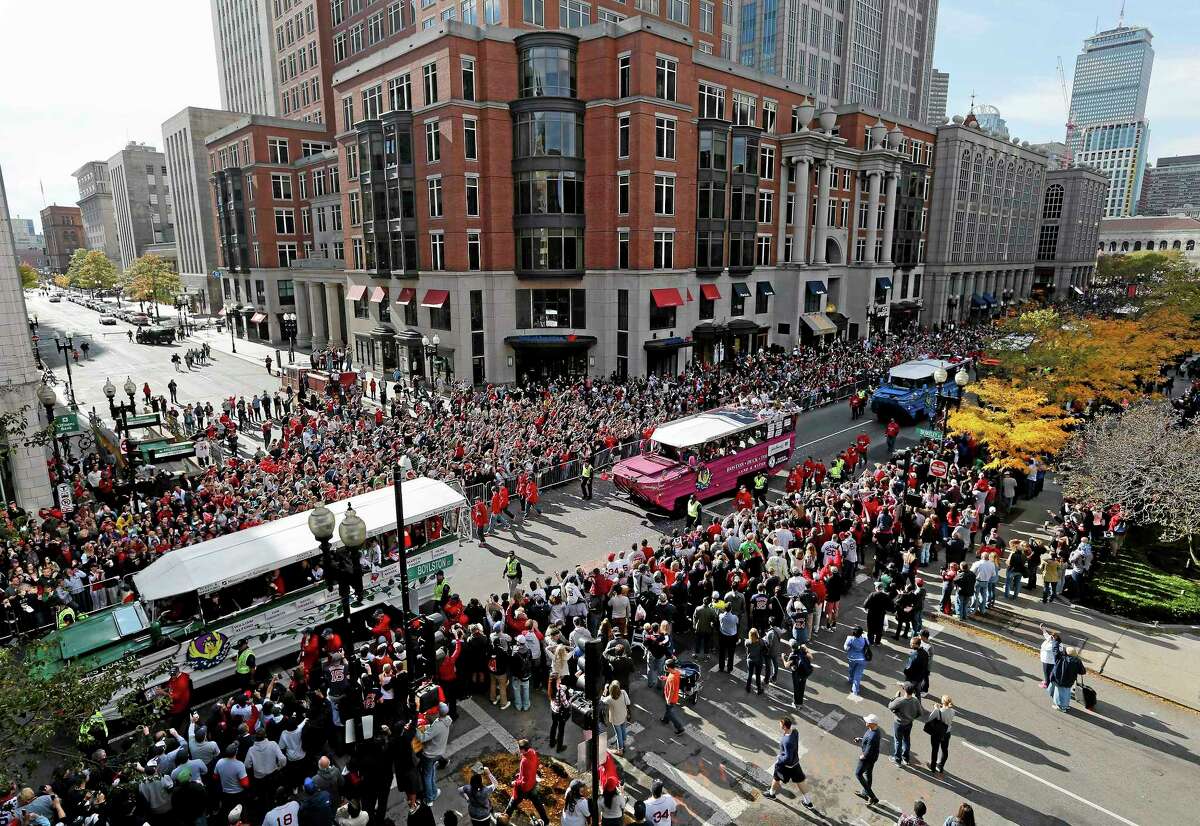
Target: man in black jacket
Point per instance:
(916, 668)
(878, 605)
(868, 754)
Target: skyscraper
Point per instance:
(1108, 110)
(243, 33)
(939, 93)
(1171, 187)
(141, 200)
(96, 204)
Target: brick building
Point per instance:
(62, 227)
(600, 199)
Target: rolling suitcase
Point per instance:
(1089, 697)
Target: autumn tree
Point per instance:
(1144, 460)
(151, 278)
(1015, 423)
(62, 281)
(91, 270)
(29, 276)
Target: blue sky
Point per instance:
(1007, 50)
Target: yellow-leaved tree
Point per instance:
(1016, 423)
(151, 278)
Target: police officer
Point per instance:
(585, 479)
(513, 573)
(245, 664)
(693, 511)
(65, 617)
(93, 733)
(760, 489)
(441, 589)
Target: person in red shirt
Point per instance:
(525, 783)
(531, 498)
(447, 671)
(479, 516)
(863, 441)
(743, 500)
(179, 689)
(310, 654)
(498, 517)
(892, 431)
(819, 473)
(382, 627)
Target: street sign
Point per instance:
(929, 433)
(66, 501)
(66, 423)
(937, 468)
(172, 452)
(424, 569)
(149, 420)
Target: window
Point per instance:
(472, 183)
(712, 101)
(677, 11)
(713, 150)
(470, 139)
(763, 289)
(1053, 203)
(766, 203)
(534, 12)
(400, 93)
(664, 138)
(622, 193)
(430, 80)
(743, 204)
(281, 186)
(468, 78)
(550, 249)
(573, 14)
(706, 16)
(710, 200)
(661, 318)
(766, 163)
(285, 221)
(608, 16)
(549, 134)
(372, 101)
(277, 150)
(468, 12)
(664, 78)
(623, 76)
(1048, 243)
(374, 28)
(664, 249)
(547, 71)
(355, 209)
(395, 13)
(622, 249)
(745, 155)
(474, 251)
(356, 38)
(433, 141)
(622, 136)
(287, 254)
(664, 194)
(737, 299)
(434, 187)
(339, 48)
(347, 113)
(769, 115)
(743, 109)
(437, 254)
(335, 218)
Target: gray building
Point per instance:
(1172, 187)
(987, 200)
(141, 200)
(1072, 207)
(990, 120)
(96, 205)
(191, 194)
(938, 96)
(243, 33)
(25, 234)
(874, 53)
(24, 479)
(1056, 151)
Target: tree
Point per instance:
(62, 281)
(1146, 462)
(1016, 423)
(91, 270)
(29, 276)
(152, 279)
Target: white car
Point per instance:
(108, 320)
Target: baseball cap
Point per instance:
(871, 719)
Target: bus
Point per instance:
(194, 604)
(707, 454)
(910, 391)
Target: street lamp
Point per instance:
(431, 349)
(66, 348)
(940, 376)
(230, 309)
(289, 332)
(341, 567)
(120, 414)
(49, 400)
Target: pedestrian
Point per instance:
(585, 480)
(938, 726)
(858, 652)
(576, 808)
(659, 807)
(878, 605)
(756, 655)
(917, 818)
(174, 389)
(916, 667)
(617, 708)
(267, 360)
(1049, 652)
(760, 489)
(434, 735)
(1051, 573)
(1063, 677)
(670, 682)
(1015, 570)
(727, 624)
(512, 567)
(892, 431)
(964, 817)
(478, 794)
(787, 763)
(868, 753)
(560, 714)
(525, 783)
(907, 709)
(800, 663)
(129, 333)
(612, 803)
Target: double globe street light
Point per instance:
(341, 566)
(120, 414)
(940, 376)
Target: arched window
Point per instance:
(1052, 205)
(977, 177)
(1162, 245)
(988, 178)
(1112, 247)
(1149, 245)
(1191, 246)
(964, 176)
(1175, 244)
(1124, 246)
(1137, 246)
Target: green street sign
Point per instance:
(929, 433)
(66, 423)
(424, 569)
(167, 453)
(149, 420)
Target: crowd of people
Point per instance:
(311, 447)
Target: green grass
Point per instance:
(1146, 582)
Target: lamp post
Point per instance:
(49, 400)
(341, 566)
(230, 310)
(120, 414)
(430, 346)
(399, 471)
(66, 346)
(289, 332)
(939, 377)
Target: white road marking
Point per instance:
(489, 724)
(725, 812)
(863, 427)
(1045, 782)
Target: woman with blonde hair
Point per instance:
(617, 712)
(937, 726)
(756, 656)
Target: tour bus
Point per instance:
(707, 454)
(195, 604)
(910, 392)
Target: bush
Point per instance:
(1146, 582)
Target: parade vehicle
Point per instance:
(193, 605)
(707, 454)
(911, 393)
(154, 335)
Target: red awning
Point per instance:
(257, 318)
(435, 298)
(689, 296)
(710, 292)
(378, 294)
(356, 292)
(666, 297)
(407, 294)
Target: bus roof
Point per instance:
(921, 368)
(217, 563)
(712, 424)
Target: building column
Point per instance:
(872, 213)
(800, 213)
(333, 316)
(889, 217)
(822, 216)
(781, 234)
(316, 315)
(303, 320)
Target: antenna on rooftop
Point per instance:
(1121, 19)
(972, 102)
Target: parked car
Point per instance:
(140, 318)
(108, 320)
(55, 299)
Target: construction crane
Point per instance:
(1062, 82)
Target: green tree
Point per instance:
(152, 279)
(29, 276)
(91, 270)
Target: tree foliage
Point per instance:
(1015, 423)
(91, 270)
(62, 281)
(1145, 461)
(29, 276)
(151, 278)
(40, 712)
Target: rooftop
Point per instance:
(1150, 223)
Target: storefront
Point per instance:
(539, 358)
(816, 329)
(708, 341)
(662, 355)
(905, 314)
(744, 336)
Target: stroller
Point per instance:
(689, 682)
